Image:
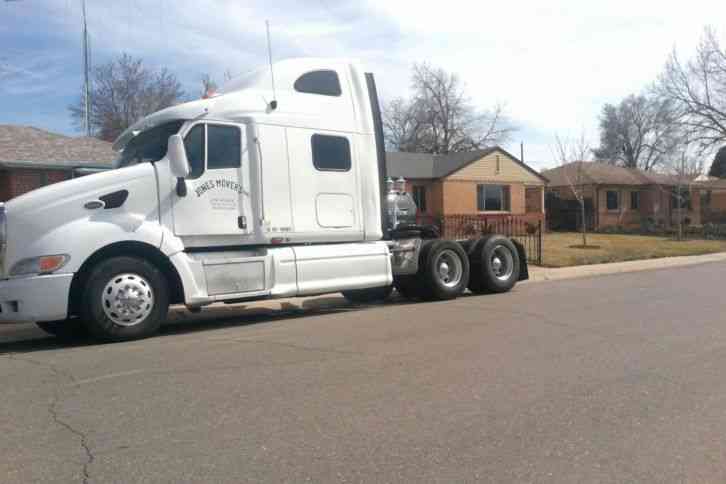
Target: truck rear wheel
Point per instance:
(443, 270)
(495, 265)
(368, 296)
(124, 298)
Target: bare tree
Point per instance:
(572, 156)
(683, 166)
(403, 125)
(439, 117)
(697, 90)
(639, 132)
(124, 91)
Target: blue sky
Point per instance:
(552, 64)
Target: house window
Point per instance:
(681, 195)
(492, 198)
(419, 196)
(499, 165)
(325, 83)
(613, 200)
(331, 153)
(634, 200)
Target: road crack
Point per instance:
(53, 409)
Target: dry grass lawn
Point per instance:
(616, 248)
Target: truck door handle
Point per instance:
(242, 222)
(94, 204)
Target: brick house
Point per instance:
(713, 200)
(621, 197)
(31, 157)
(491, 182)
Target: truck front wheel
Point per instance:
(124, 298)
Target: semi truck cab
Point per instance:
(249, 194)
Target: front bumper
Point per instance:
(36, 298)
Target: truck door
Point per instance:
(326, 197)
(215, 209)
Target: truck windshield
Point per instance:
(149, 145)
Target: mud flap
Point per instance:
(523, 269)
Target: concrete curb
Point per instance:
(540, 274)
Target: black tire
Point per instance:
(434, 282)
(65, 329)
(126, 281)
(476, 280)
(411, 286)
(495, 265)
(368, 296)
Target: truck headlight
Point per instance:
(40, 265)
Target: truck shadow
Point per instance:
(27, 338)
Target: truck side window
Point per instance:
(324, 82)
(331, 153)
(194, 146)
(223, 147)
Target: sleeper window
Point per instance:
(331, 153)
(325, 83)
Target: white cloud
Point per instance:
(553, 64)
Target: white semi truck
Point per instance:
(250, 194)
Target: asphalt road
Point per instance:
(610, 379)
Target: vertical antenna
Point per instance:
(86, 86)
(273, 103)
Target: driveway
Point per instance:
(611, 379)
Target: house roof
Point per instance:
(712, 183)
(428, 166)
(29, 147)
(598, 173)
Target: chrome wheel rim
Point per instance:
(449, 268)
(127, 299)
(502, 262)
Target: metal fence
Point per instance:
(524, 229)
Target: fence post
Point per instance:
(539, 243)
